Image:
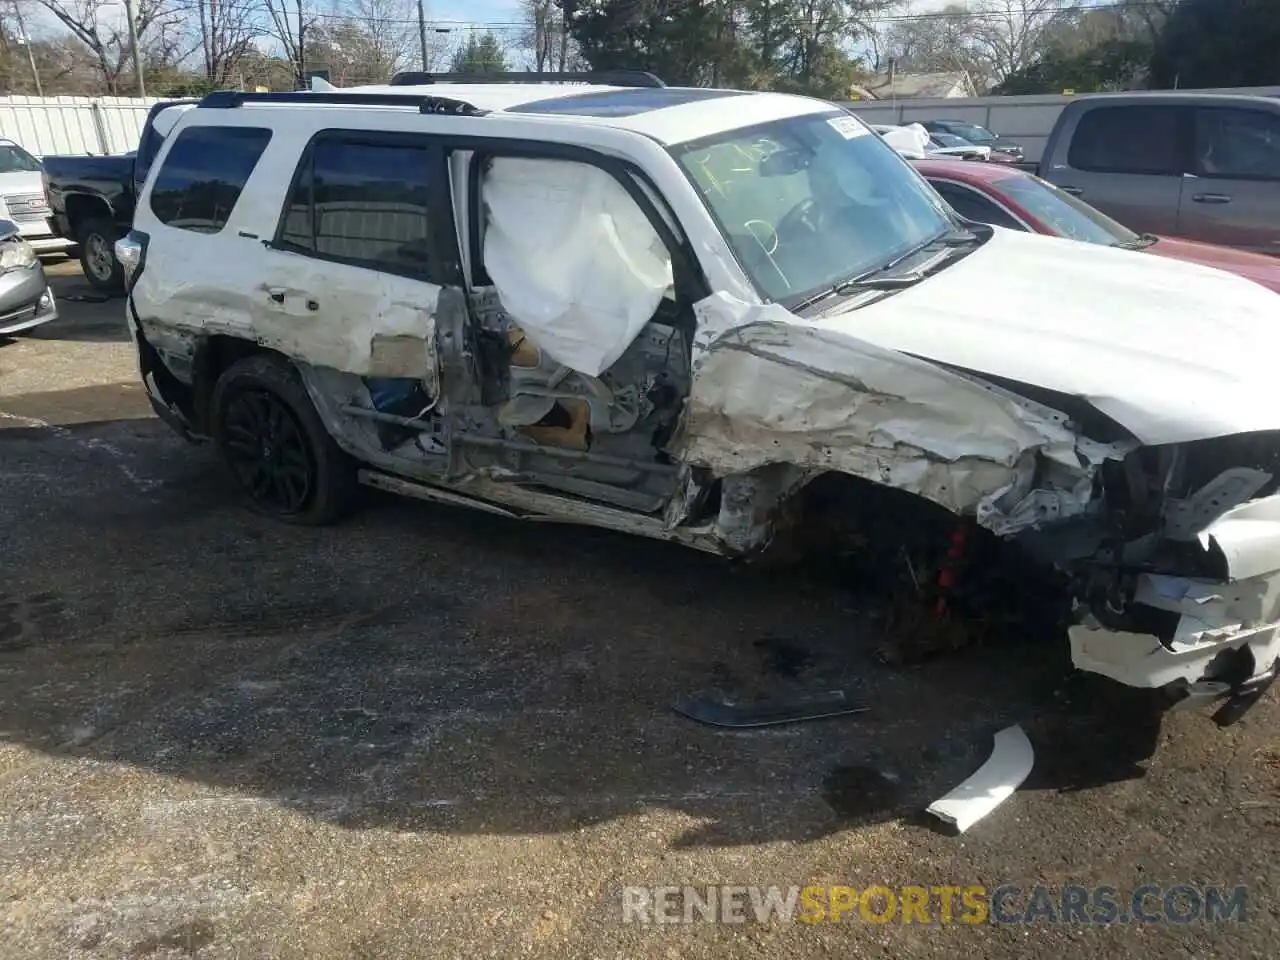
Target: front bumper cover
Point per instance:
(25, 300)
(1226, 641)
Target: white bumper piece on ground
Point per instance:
(991, 784)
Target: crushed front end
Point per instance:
(1175, 575)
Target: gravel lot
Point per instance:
(433, 733)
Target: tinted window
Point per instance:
(148, 148)
(1238, 143)
(203, 174)
(13, 159)
(1137, 139)
(363, 202)
(973, 206)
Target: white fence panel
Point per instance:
(74, 125)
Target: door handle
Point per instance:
(1212, 198)
(1074, 191)
(276, 294)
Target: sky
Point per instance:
(474, 11)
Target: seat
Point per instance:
(552, 404)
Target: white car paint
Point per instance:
(991, 784)
(671, 125)
(1171, 351)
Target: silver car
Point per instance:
(25, 298)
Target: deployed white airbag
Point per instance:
(911, 141)
(574, 259)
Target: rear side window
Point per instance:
(202, 176)
(363, 202)
(973, 206)
(1136, 139)
(1238, 143)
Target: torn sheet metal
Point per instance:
(1141, 660)
(1213, 618)
(573, 257)
(991, 784)
(770, 387)
(1184, 519)
(1247, 537)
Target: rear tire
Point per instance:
(274, 446)
(97, 240)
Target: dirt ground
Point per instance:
(434, 733)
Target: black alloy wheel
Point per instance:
(275, 447)
(265, 448)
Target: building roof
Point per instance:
(920, 85)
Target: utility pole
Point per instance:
(422, 33)
(26, 42)
(133, 47)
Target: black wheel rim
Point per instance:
(268, 451)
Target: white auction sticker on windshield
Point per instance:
(847, 127)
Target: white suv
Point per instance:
(720, 318)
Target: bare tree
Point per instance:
(989, 38)
(939, 41)
(546, 36)
(227, 29)
(392, 36)
(367, 41)
(1013, 34)
(291, 22)
(100, 27)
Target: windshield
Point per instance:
(1067, 216)
(808, 202)
(13, 159)
(950, 140)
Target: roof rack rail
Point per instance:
(229, 99)
(607, 78)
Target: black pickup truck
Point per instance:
(92, 199)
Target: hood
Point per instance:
(21, 181)
(1170, 350)
(1258, 267)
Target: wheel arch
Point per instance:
(214, 354)
(83, 207)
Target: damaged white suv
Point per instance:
(715, 317)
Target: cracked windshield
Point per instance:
(808, 202)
